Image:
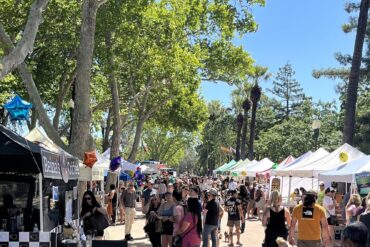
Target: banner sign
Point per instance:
(363, 182)
(59, 166)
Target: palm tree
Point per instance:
(239, 124)
(246, 107)
(349, 120)
(259, 73)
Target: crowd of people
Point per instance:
(188, 210)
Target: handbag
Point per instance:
(178, 239)
(99, 221)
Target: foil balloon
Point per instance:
(18, 108)
(115, 163)
(343, 157)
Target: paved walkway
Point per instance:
(252, 237)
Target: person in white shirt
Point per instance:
(232, 185)
(329, 204)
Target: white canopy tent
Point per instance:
(289, 170)
(287, 161)
(346, 172)
(328, 162)
(261, 166)
(286, 183)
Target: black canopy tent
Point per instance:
(20, 158)
(17, 155)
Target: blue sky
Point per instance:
(304, 33)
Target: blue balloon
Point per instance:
(18, 108)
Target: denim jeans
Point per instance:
(210, 229)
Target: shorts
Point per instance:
(251, 203)
(232, 223)
(308, 243)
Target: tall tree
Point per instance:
(287, 89)
(243, 149)
(81, 139)
(259, 73)
(239, 125)
(24, 47)
(350, 108)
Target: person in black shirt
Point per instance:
(211, 212)
(234, 208)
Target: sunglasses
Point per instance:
(87, 198)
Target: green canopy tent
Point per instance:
(237, 170)
(230, 167)
(222, 168)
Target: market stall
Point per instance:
(41, 186)
(347, 171)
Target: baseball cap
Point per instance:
(213, 192)
(321, 183)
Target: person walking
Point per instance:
(276, 218)
(235, 215)
(355, 235)
(365, 218)
(89, 207)
(128, 201)
(166, 215)
(112, 204)
(260, 199)
(145, 196)
(311, 220)
(212, 214)
(191, 226)
(244, 198)
(121, 208)
(252, 202)
(153, 229)
(351, 208)
(321, 193)
(329, 204)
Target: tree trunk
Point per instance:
(81, 140)
(25, 45)
(243, 149)
(350, 115)
(114, 151)
(237, 154)
(106, 143)
(135, 145)
(252, 132)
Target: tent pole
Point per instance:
(312, 183)
(281, 185)
(41, 206)
(290, 185)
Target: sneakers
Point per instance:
(128, 237)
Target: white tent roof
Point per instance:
(346, 172)
(260, 166)
(289, 170)
(287, 161)
(86, 174)
(242, 166)
(328, 162)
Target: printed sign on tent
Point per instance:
(363, 182)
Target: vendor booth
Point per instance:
(346, 172)
(39, 192)
(261, 166)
